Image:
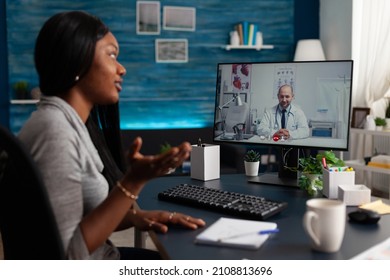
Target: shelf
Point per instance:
(245, 47)
(359, 164)
(371, 132)
(24, 101)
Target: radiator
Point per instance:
(380, 181)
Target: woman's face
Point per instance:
(103, 82)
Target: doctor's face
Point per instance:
(285, 96)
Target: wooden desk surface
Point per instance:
(290, 243)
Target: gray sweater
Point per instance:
(71, 167)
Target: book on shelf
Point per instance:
(239, 30)
(250, 34)
(247, 33)
(255, 29)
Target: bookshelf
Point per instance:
(248, 47)
(24, 101)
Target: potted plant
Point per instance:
(163, 149)
(380, 123)
(311, 170)
(252, 162)
(21, 90)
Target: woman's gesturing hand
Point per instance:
(143, 168)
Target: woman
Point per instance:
(76, 60)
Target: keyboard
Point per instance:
(232, 203)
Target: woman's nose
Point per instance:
(122, 69)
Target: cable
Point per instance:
(284, 155)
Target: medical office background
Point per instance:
(174, 99)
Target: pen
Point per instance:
(324, 163)
(261, 232)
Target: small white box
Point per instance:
(205, 163)
(332, 179)
(354, 195)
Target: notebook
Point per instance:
(236, 233)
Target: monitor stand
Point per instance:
(285, 177)
(274, 179)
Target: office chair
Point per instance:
(27, 223)
(236, 117)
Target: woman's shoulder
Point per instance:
(46, 125)
(48, 120)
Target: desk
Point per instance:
(290, 243)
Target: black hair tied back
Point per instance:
(65, 48)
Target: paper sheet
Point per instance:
(235, 233)
(377, 206)
(380, 251)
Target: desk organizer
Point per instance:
(354, 195)
(332, 179)
(205, 164)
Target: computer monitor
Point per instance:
(316, 96)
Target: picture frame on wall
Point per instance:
(148, 18)
(171, 50)
(359, 115)
(179, 18)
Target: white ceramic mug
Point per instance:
(324, 222)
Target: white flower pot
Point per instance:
(387, 127)
(252, 168)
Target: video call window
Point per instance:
(317, 96)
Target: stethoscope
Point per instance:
(276, 124)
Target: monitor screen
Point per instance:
(295, 104)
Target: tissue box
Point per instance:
(205, 163)
(354, 195)
(332, 179)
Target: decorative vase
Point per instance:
(370, 123)
(259, 39)
(234, 38)
(252, 168)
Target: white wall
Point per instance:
(336, 28)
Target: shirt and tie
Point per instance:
(283, 121)
(293, 119)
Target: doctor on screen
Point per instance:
(284, 120)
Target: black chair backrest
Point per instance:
(27, 223)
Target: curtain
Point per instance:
(371, 55)
(370, 52)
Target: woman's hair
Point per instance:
(104, 129)
(65, 48)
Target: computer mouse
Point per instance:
(363, 216)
